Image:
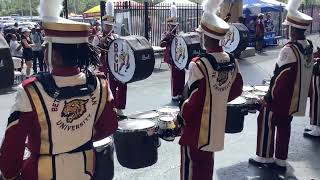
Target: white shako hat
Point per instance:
(211, 24)
(173, 19)
(109, 17)
(295, 18)
(58, 29)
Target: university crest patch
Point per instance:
(74, 109)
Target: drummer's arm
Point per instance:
(165, 41)
(197, 91)
(283, 79)
(13, 144)
(107, 123)
(236, 88)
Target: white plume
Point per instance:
(293, 5)
(109, 8)
(211, 6)
(174, 11)
(50, 8)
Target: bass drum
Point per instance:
(236, 40)
(104, 166)
(6, 65)
(184, 47)
(136, 143)
(130, 59)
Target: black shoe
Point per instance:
(307, 135)
(258, 164)
(276, 167)
(307, 130)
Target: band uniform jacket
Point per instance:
(59, 132)
(167, 38)
(204, 112)
(288, 90)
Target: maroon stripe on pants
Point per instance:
(265, 135)
(119, 92)
(268, 124)
(177, 81)
(196, 164)
(314, 101)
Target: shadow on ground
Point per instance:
(244, 171)
(7, 91)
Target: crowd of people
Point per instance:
(26, 43)
(64, 111)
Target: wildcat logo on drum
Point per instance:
(180, 52)
(121, 60)
(74, 109)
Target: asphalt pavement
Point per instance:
(232, 162)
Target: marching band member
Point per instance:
(177, 75)
(61, 112)
(119, 89)
(287, 95)
(214, 79)
(313, 130)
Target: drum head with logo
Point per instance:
(231, 40)
(179, 52)
(121, 60)
(135, 125)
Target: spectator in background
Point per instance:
(27, 45)
(16, 49)
(38, 55)
(259, 32)
(268, 23)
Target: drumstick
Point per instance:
(174, 28)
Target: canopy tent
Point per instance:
(95, 11)
(261, 6)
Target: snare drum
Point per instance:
(261, 88)
(252, 102)
(166, 128)
(104, 166)
(236, 110)
(247, 88)
(136, 143)
(168, 111)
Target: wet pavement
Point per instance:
(230, 164)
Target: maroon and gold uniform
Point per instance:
(204, 114)
(59, 125)
(287, 97)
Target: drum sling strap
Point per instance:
(68, 92)
(227, 66)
